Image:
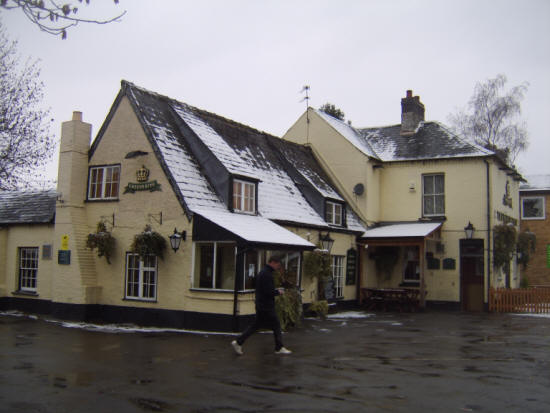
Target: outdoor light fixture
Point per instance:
(326, 242)
(469, 229)
(175, 239)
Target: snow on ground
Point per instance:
(349, 314)
(532, 315)
(114, 328)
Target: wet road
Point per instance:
(443, 362)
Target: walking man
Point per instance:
(265, 308)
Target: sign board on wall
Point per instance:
(65, 242)
(351, 266)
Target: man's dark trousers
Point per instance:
(266, 319)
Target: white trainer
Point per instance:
(237, 347)
(283, 350)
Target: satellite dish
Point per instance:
(359, 189)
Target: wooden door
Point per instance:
(472, 274)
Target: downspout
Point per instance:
(488, 228)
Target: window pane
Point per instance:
(337, 214)
(28, 268)
(237, 194)
(225, 267)
(533, 207)
(428, 205)
(149, 284)
(204, 268)
(439, 204)
(428, 184)
(439, 184)
(250, 269)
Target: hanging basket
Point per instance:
(103, 241)
(149, 242)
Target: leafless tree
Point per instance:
(493, 118)
(51, 17)
(25, 139)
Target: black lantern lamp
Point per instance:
(326, 242)
(469, 229)
(176, 238)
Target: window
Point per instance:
(28, 268)
(104, 182)
(244, 196)
(214, 266)
(337, 270)
(141, 277)
(532, 207)
(433, 195)
(411, 272)
(334, 213)
(291, 263)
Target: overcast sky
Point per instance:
(248, 60)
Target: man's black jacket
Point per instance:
(265, 290)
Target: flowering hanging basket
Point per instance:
(149, 242)
(103, 241)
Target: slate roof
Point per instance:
(431, 140)
(32, 207)
(242, 150)
(534, 183)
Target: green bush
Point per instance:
(320, 308)
(289, 308)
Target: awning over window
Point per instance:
(218, 225)
(407, 230)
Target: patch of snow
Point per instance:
(536, 183)
(531, 315)
(348, 132)
(349, 314)
(415, 229)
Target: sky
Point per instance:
(248, 60)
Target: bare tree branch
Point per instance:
(492, 118)
(53, 18)
(25, 140)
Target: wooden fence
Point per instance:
(520, 300)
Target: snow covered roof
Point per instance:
(536, 183)
(350, 133)
(431, 140)
(188, 141)
(32, 207)
(253, 228)
(407, 230)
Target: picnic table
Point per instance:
(390, 299)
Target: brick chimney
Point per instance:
(412, 113)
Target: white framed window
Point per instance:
(334, 212)
(28, 268)
(244, 196)
(214, 265)
(433, 195)
(104, 182)
(141, 277)
(337, 270)
(533, 207)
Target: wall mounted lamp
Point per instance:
(469, 230)
(176, 238)
(326, 242)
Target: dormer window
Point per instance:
(334, 213)
(244, 196)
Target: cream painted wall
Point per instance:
(343, 162)
(133, 211)
(27, 236)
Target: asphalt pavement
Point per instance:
(353, 362)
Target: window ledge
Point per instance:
(27, 293)
(217, 291)
(141, 300)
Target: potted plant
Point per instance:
(103, 241)
(149, 242)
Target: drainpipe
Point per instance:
(488, 228)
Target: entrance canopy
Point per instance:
(414, 230)
(219, 225)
